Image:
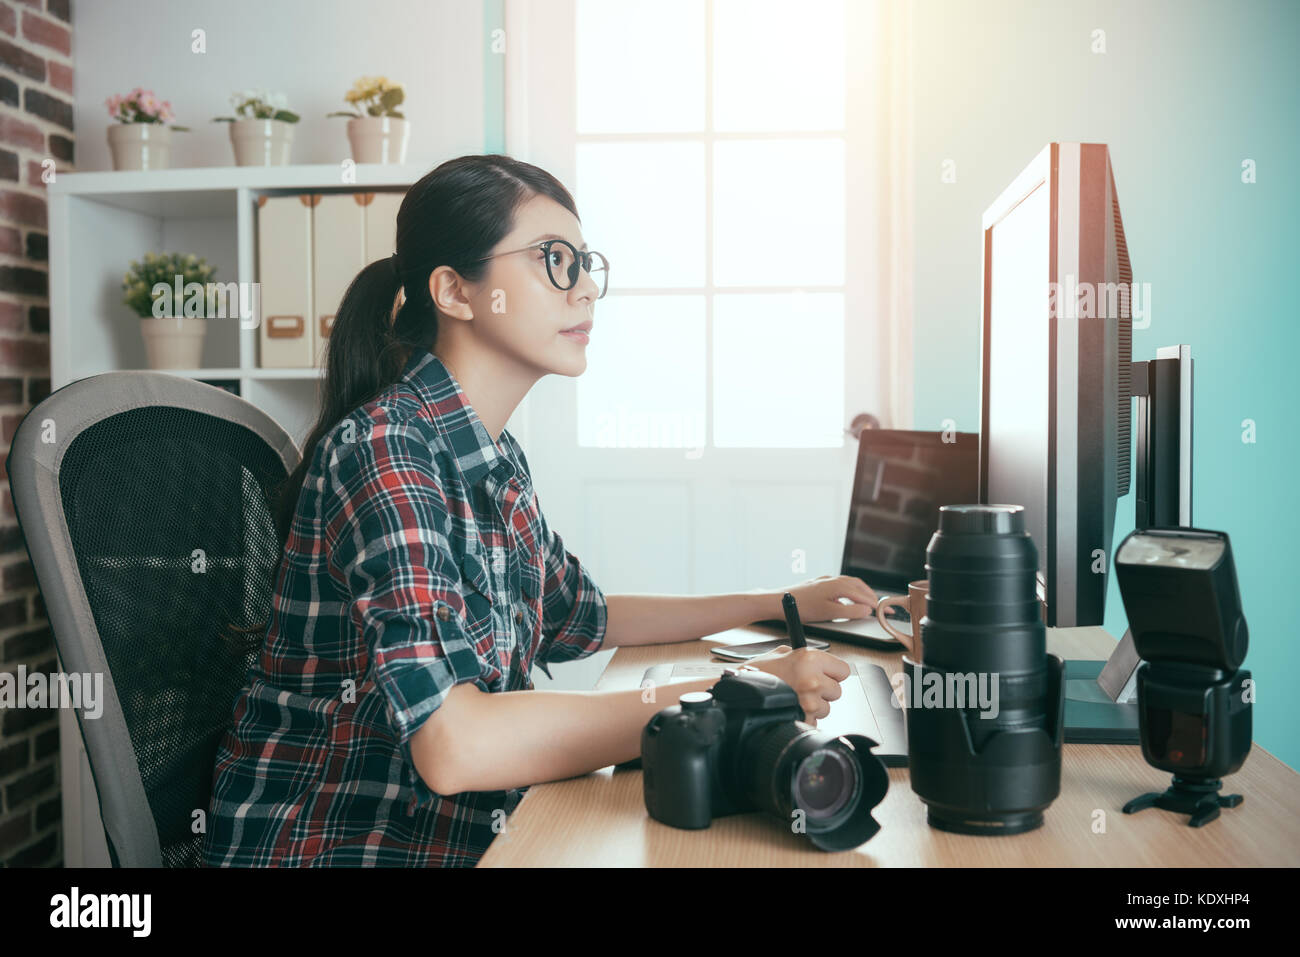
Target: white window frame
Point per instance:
(880, 198)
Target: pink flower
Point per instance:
(149, 104)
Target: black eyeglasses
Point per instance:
(563, 262)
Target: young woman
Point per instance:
(391, 717)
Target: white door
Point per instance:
(727, 158)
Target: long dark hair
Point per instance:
(453, 216)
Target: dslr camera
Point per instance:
(744, 745)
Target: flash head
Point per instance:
(1179, 587)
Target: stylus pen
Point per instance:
(792, 623)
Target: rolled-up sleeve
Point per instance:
(574, 612)
(389, 545)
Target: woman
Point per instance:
(390, 719)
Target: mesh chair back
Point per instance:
(147, 504)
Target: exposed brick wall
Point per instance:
(35, 126)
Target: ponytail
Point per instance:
(367, 349)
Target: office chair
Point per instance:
(146, 500)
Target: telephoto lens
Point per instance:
(986, 704)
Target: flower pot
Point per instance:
(140, 145)
(173, 343)
(261, 142)
(378, 139)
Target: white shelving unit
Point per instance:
(98, 223)
(101, 221)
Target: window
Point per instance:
(710, 166)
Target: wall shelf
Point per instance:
(101, 221)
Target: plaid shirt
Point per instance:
(418, 559)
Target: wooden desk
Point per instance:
(600, 819)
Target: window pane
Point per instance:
(640, 66)
(644, 384)
(778, 66)
(642, 205)
(778, 370)
(778, 213)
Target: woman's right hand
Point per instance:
(814, 675)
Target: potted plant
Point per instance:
(156, 290)
(377, 131)
(141, 138)
(261, 129)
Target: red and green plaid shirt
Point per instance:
(418, 559)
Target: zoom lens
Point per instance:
(993, 764)
(817, 784)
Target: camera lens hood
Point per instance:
(774, 784)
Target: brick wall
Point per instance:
(35, 127)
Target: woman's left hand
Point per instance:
(819, 598)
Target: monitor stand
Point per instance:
(1101, 698)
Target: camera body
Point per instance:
(744, 746)
(689, 750)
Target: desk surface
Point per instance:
(600, 819)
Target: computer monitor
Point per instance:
(1163, 472)
(1056, 354)
(1057, 383)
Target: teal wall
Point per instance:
(1185, 92)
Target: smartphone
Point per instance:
(755, 648)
